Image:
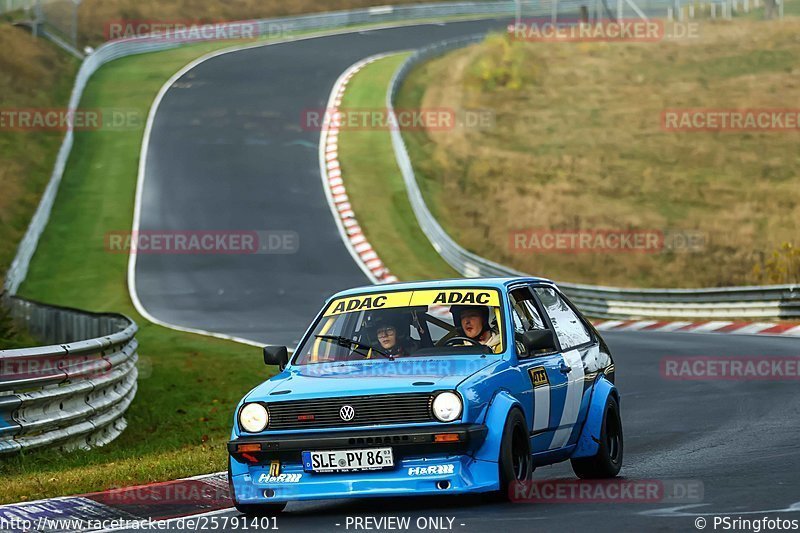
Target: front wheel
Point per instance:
(515, 462)
(608, 460)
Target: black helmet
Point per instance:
(399, 321)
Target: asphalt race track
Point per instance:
(227, 153)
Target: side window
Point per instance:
(570, 330)
(524, 314)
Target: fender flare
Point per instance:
(495, 421)
(588, 442)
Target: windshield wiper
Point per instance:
(350, 343)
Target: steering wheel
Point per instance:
(451, 341)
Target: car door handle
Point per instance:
(565, 368)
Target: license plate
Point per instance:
(348, 460)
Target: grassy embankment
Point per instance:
(578, 144)
(181, 417)
(33, 73)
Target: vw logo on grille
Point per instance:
(347, 413)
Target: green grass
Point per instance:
(11, 336)
(34, 74)
(578, 144)
(375, 185)
(181, 417)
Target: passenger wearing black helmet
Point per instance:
(391, 332)
(474, 322)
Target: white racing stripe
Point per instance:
(572, 403)
(541, 408)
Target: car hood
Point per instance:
(379, 376)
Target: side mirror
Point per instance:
(276, 355)
(537, 340)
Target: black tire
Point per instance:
(608, 460)
(515, 462)
(264, 509)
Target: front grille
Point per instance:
(369, 410)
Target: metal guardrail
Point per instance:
(775, 301)
(74, 392)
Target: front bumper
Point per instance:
(405, 442)
(422, 466)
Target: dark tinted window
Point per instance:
(524, 314)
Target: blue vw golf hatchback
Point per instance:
(456, 386)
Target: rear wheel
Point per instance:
(608, 460)
(254, 509)
(515, 462)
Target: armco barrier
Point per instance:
(74, 392)
(775, 301)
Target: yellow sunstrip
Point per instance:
(390, 300)
(456, 297)
(368, 302)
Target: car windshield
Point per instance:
(399, 324)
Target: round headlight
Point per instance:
(253, 418)
(447, 406)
